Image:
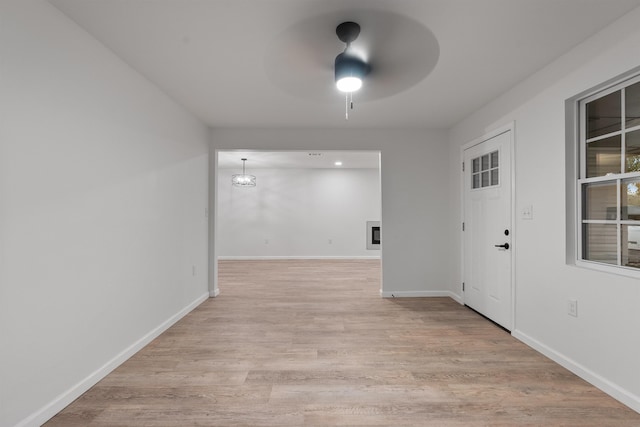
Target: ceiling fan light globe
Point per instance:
(349, 72)
(349, 84)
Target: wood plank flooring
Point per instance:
(311, 343)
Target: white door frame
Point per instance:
(510, 127)
(214, 290)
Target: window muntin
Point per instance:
(609, 182)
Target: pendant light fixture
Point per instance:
(243, 180)
(349, 69)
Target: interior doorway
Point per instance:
(304, 205)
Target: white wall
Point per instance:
(602, 343)
(298, 213)
(415, 252)
(103, 187)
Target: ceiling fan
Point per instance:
(349, 69)
(383, 54)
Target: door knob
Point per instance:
(505, 246)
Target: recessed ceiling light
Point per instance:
(338, 163)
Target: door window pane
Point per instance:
(494, 177)
(603, 156)
(632, 151)
(485, 170)
(485, 162)
(632, 105)
(604, 115)
(600, 201)
(485, 179)
(600, 242)
(475, 181)
(494, 159)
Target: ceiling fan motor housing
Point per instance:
(349, 66)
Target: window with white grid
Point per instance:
(609, 178)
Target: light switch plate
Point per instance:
(572, 308)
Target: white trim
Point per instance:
(581, 141)
(616, 84)
(214, 290)
(380, 210)
(263, 258)
(618, 226)
(491, 134)
(623, 130)
(612, 389)
(421, 294)
(213, 222)
(457, 298)
(514, 225)
(605, 136)
(619, 270)
(609, 178)
(48, 411)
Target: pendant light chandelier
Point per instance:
(243, 180)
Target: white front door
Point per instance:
(487, 228)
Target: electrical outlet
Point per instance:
(526, 212)
(330, 241)
(572, 308)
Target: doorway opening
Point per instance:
(305, 205)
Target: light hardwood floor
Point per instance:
(311, 343)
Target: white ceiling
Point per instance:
(229, 61)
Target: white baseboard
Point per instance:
(457, 298)
(214, 293)
(417, 294)
(258, 258)
(59, 403)
(612, 389)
